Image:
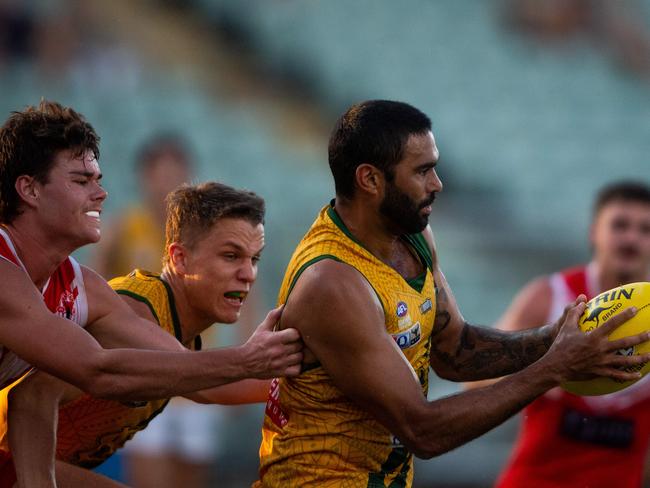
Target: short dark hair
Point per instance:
(29, 142)
(160, 144)
(192, 210)
(622, 191)
(373, 132)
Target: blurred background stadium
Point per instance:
(535, 105)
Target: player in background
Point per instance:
(568, 440)
(215, 237)
(136, 236)
(365, 289)
(179, 447)
(50, 205)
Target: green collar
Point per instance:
(415, 242)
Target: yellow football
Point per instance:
(598, 311)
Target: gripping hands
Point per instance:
(269, 353)
(576, 356)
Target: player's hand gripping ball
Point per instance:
(598, 311)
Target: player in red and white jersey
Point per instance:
(64, 294)
(568, 440)
(50, 205)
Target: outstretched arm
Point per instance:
(465, 352)
(342, 323)
(149, 334)
(61, 348)
(529, 309)
(461, 351)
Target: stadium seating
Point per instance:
(527, 133)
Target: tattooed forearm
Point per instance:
(483, 352)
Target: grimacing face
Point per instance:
(70, 202)
(620, 236)
(221, 267)
(408, 197)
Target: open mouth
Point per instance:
(235, 297)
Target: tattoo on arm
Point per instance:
(484, 352)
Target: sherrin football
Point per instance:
(598, 311)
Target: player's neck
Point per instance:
(608, 279)
(367, 227)
(41, 254)
(192, 324)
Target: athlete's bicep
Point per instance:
(342, 323)
(39, 337)
(121, 322)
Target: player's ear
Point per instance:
(369, 179)
(177, 257)
(27, 189)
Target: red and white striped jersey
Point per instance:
(64, 295)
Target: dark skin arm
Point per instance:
(529, 309)
(342, 324)
(464, 352)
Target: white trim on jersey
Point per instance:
(12, 366)
(10, 243)
(561, 294)
(560, 297)
(591, 274)
(82, 298)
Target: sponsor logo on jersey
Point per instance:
(66, 306)
(273, 409)
(409, 337)
(405, 322)
(402, 309)
(426, 306)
